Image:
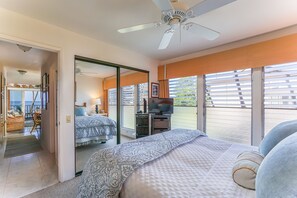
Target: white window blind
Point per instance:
(228, 105)
(280, 93)
(142, 90)
(112, 104)
(128, 109)
(128, 95)
(142, 93)
(229, 89)
(184, 92)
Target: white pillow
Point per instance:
(245, 169)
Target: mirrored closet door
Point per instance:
(108, 100)
(95, 109)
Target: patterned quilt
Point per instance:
(107, 170)
(96, 127)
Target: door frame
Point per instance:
(58, 51)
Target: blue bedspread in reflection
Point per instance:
(94, 128)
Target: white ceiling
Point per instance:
(100, 19)
(12, 56)
(97, 70)
(13, 59)
(32, 77)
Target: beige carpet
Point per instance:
(17, 146)
(61, 190)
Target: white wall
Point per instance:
(48, 117)
(28, 31)
(87, 89)
(2, 115)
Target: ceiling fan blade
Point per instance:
(205, 32)
(166, 38)
(207, 6)
(163, 4)
(139, 27)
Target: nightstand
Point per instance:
(102, 114)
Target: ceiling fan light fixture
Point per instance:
(22, 72)
(24, 48)
(175, 14)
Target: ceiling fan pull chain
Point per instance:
(179, 34)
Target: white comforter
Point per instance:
(201, 168)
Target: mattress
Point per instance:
(94, 128)
(201, 168)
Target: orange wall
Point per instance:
(276, 51)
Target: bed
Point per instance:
(93, 129)
(178, 163)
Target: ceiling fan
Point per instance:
(175, 14)
(78, 71)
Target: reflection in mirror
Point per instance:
(95, 110)
(134, 89)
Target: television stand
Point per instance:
(142, 125)
(160, 123)
(150, 124)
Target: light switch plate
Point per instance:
(68, 118)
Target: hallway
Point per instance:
(25, 174)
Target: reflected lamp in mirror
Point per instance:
(97, 104)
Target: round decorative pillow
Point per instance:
(277, 134)
(277, 175)
(245, 169)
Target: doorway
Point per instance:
(23, 121)
(28, 117)
(107, 97)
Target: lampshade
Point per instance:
(98, 101)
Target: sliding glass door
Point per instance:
(184, 92)
(280, 93)
(228, 105)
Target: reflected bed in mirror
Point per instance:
(92, 128)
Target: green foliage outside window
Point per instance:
(184, 90)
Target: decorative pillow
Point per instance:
(277, 134)
(10, 114)
(277, 175)
(245, 169)
(80, 111)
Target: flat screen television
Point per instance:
(160, 105)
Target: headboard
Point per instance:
(83, 105)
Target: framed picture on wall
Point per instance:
(44, 90)
(44, 98)
(155, 90)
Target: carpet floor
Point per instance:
(62, 190)
(17, 146)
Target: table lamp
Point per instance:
(97, 102)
